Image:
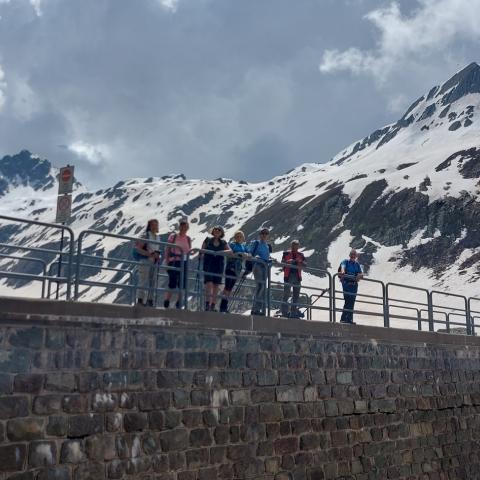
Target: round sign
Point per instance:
(63, 203)
(66, 175)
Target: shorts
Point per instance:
(209, 277)
(230, 282)
(174, 275)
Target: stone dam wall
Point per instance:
(111, 395)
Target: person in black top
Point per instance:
(213, 265)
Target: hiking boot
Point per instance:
(207, 307)
(149, 303)
(166, 303)
(224, 305)
(177, 305)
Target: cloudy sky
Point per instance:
(245, 89)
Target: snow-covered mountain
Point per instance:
(406, 195)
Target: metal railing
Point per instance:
(319, 297)
(49, 228)
(18, 258)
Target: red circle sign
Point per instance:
(63, 203)
(66, 175)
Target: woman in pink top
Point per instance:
(175, 257)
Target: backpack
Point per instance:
(249, 263)
(137, 257)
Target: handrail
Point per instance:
(61, 228)
(27, 259)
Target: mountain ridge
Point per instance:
(401, 196)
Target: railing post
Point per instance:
(268, 288)
(77, 268)
(70, 264)
(470, 326)
(333, 297)
(431, 325)
(419, 319)
(386, 307)
(185, 267)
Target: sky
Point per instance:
(243, 89)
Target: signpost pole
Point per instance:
(64, 211)
(60, 260)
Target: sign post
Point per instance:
(64, 208)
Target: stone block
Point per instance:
(177, 439)
(344, 378)
(200, 437)
(197, 458)
(196, 360)
(14, 406)
(28, 338)
(89, 471)
(12, 457)
(165, 341)
(28, 383)
(286, 445)
(270, 412)
(200, 397)
(55, 473)
(73, 451)
(240, 397)
(289, 394)
(154, 401)
(25, 429)
(18, 360)
(217, 360)
(56, 426)
(60, 382)
(192, 418)
(135, 422)
(267, 377)
(42, 454)
(84, 425)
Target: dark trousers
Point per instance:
(349, 294)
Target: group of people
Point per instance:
(231, 261)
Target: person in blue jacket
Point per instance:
(233, 267)
(350, 273)
(260, 250)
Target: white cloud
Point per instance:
(37, 4)
(431, 28)
(93, 154)
(3, 87)
(170, 5)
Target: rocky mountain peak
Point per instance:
(462, 83)
(25, 169)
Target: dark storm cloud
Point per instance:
(215, 88)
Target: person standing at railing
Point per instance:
(147, 253)
(260, 250)
(233, 267)
(293, 261)
(350, 273)
(213, 265)
(176, 259)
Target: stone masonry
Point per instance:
(176, 401)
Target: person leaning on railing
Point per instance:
(292, 275)
(233, 267)
(350, 273)
(176, 260)
(213, 265)
(260, 250)
(146, 252)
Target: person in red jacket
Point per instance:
(293, 261)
